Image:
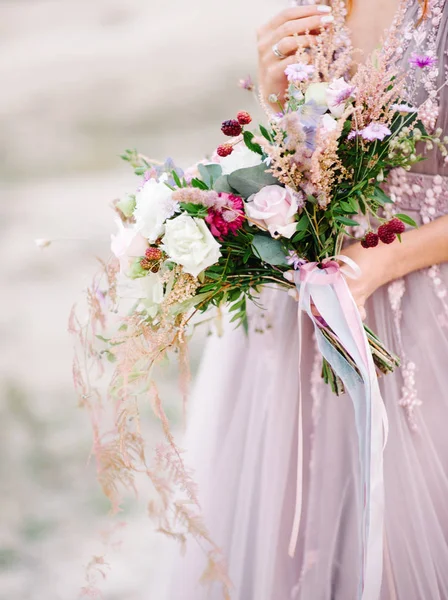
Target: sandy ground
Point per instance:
(81, 81)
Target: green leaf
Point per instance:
(177, 181)
(347, 208)
(269, 250)
(348, 222)
(248, 136)
(194, 210)
(381, 197)
(303, 223)
(251, 180)
(222, 185)
(197, 183)
(265, 133)
(406, 219)
(210, 173)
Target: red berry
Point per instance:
(386, 235)
(243, 118)
(153, 253)
(224, 150)
(370, 240)
(231, 128)
(397, 226)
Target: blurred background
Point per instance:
(81, 80)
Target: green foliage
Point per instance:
(248, 137)
(269, 250)
(210, 173)
(222, 185)
(251, 180)
(194, 210)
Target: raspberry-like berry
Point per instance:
(397, 226)
(244, 118)
(231, 128)
(153, 254)
(146, 264)
(370, 240)
(386, 235)
(224, 150)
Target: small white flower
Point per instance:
(338, 92)
(154, 205)
(148, 289)
(241, 158)
(328, 123)
(189, 243)
(127, 245)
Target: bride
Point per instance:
(242, 438)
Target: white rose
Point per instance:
(148, 289)
(338, 92)
(154, 205)
(274, 208)
(317, 92)
(188, 242)
(241, 158)
(127, 245)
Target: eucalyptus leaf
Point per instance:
(222, 185)
(210, 173)
(251, 180)
(269, 250)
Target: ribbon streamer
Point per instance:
(325, 287)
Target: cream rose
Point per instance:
(127, 245)
(154, 205)
(275, 209)
(241, 158)
(188, 242)
(317, 92)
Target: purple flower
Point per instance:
(421, 61)
(246, 84)
(403, 108)
(375, 131)
(310, 113)
(354, 133)
(294, 260)
(344, 95)
(298, 72)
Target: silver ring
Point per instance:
(277, 52)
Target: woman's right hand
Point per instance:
(289, 30)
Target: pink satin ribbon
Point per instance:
(330, 273)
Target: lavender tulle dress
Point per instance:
(242, 437)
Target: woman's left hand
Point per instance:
(376, 268)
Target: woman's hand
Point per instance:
(289, 30)
(376, 266)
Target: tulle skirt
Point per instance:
(242, 441)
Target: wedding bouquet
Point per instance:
(277, 200)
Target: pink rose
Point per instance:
(127, 245)
(275, 209)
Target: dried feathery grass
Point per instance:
(119, 447)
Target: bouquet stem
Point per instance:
(384, 360)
